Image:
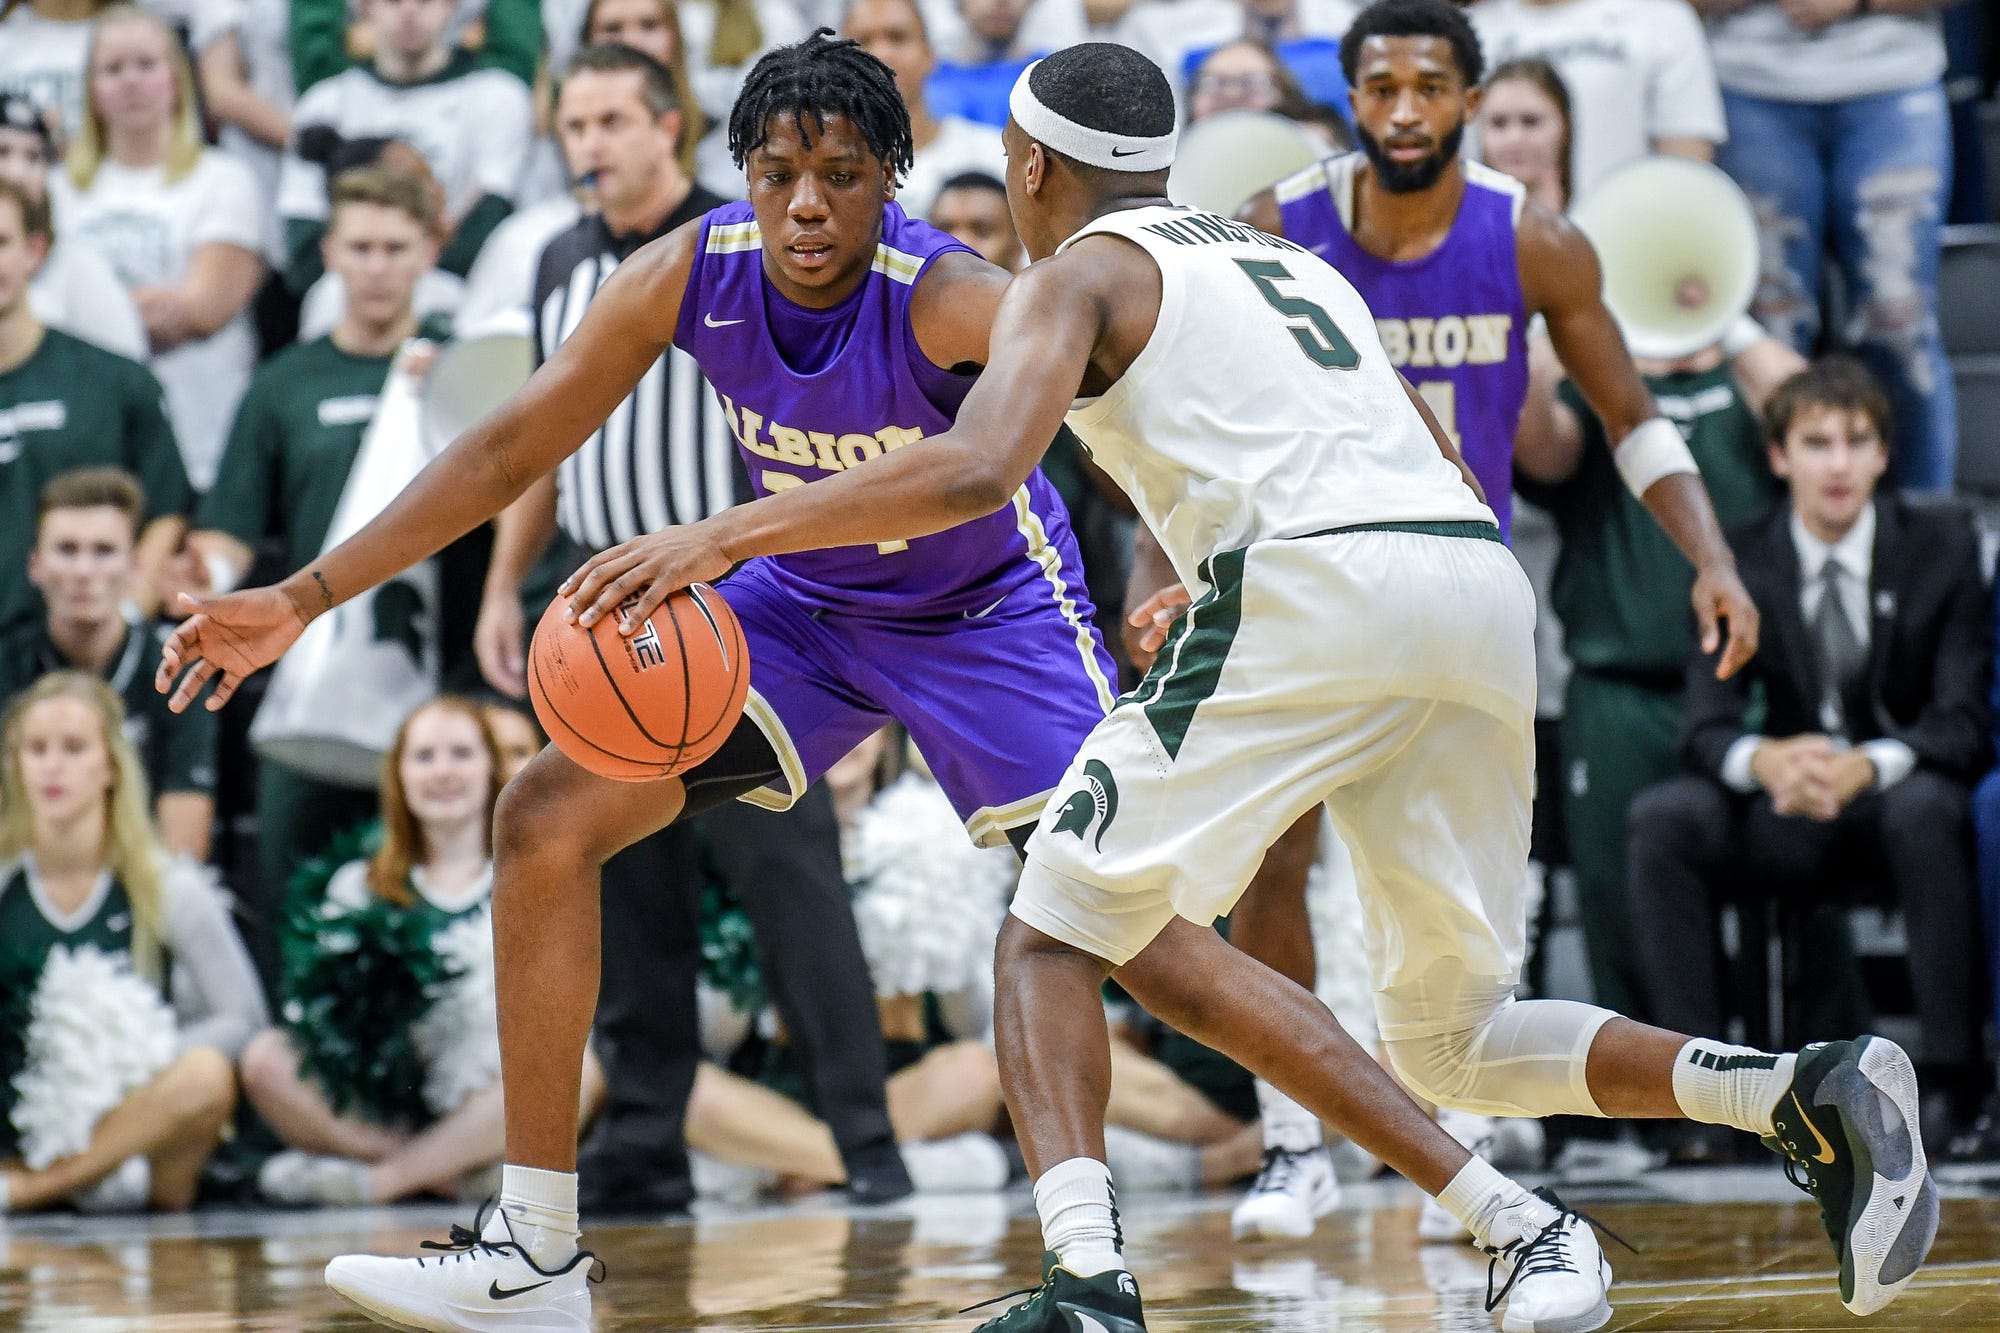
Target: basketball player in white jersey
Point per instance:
(1361, 638)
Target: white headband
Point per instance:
(1098, 148)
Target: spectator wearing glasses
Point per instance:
(76, 289)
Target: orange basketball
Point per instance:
(646, 705)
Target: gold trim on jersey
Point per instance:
(765, 718)
(1301, 183)
(988, 825)
(730, 238)
(898, 264)
(1043, 553)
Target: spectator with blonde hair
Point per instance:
(415, 911)
(95, 921)
(183, 225)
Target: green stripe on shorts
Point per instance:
(1477, 529)
(1190, 664)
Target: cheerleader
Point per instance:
(112, 1097)
(383, 1077)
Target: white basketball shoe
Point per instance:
(1292, 1192)
(473, 1285)
(1555, 1281)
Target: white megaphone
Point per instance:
(1224, 160)
(1678, 242)
(470, 379)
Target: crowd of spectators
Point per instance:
(222, 223)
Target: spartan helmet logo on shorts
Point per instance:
(1098, 802)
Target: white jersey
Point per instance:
(1263, 405)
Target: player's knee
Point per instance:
(1436, 1068)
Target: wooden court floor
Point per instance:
(1718, 1250)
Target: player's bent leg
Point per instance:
(1295, 1183)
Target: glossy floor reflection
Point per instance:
(1719, 1250)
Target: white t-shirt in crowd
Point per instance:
(1759, 52)
(1048, 25)
(501, 286)
(262, 30)
(1637, 70)
(961, 145)
(150, 229)
(78, 292)
(1169, 31)
(474, 127)
(44, 59)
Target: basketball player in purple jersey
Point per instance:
(1453, 261)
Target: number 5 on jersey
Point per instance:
(1321, 339)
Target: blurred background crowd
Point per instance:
(233, 235)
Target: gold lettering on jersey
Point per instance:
(1448, 342)
(817, 449)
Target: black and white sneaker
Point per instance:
(1555, 1281)
(1848, 1131)
(1292, 1192)
(472, 1286)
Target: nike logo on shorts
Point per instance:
(715, 323)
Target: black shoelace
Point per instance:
(1548, 1252)
(1029, 1292)
(462, 1243)
(1277, 1172)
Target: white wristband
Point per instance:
(1653, 450)
(1742, 335)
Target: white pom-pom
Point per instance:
(459, 1035)
(928, 902)
(96, 1031)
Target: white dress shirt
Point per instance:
(1854, 555)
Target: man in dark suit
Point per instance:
(1872, 679)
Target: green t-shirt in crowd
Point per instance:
(1621, 586)
(72, 405)
(292, 445)
(178, 749)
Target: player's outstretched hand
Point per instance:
(633, 579)
(1720, 598)
(1146, 628)
(229, 636)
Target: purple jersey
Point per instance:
(810, 393)
(1454, 322)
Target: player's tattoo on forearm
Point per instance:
(325, 593)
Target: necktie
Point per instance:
(1841, 655)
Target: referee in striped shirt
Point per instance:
(666, 456)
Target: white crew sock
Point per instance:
(541, 1205)
(1287, 1125)
(1079, 1216)
(1493, 1208)
(1739, 1086)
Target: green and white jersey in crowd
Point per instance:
(474, 127)
(72, 405)
(293, 444)
(349, 889)
(178, 749)
(214, 992)
(1621, 586)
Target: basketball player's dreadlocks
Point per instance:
(819, 77)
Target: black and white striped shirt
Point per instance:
(665, 455)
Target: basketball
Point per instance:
(647, 705)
